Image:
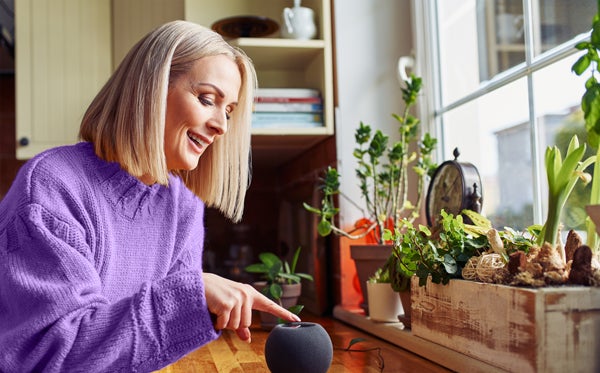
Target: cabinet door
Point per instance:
(63, 57)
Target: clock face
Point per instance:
(446, 192)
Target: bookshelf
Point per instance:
(279, 62)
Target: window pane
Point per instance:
(557, 92)
(493, 133)
(460, 28)
(562, 20)
(505, 42)
(479, 39)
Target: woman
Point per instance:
(101, 242)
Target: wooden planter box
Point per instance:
(554, 329)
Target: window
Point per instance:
(499, 86)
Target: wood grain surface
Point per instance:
(229, 354)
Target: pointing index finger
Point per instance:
(264, 304)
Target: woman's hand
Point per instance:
(232, 302)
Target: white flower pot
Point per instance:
(384, 302)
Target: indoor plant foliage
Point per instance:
(590, 105)
(440, 255)
(383, 173)
(537, 257)
(277, 272)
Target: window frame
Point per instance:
(432, 108)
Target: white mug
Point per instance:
(299, 23)
(509, 28)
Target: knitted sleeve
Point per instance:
(53, 317)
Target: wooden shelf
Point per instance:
(396, 334)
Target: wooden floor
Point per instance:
(229, 354)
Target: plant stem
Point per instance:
(592, 236)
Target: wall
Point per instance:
(370, 37)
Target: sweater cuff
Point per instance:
(184, 320)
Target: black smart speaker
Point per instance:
(298, 347)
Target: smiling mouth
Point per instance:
(197, 140)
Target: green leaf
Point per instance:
(311, 209)
(583, 45)
(305, 276)
(269, 259)
(324, 227)
(296, 309)
(355, 341)
(581, 64)
(257, 268)
(293, 278)
(450, 264)
(295, 260)
(275, 291)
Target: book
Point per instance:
(302, 107)
(309, 100)
(287, 125)
(286, 120)
(291, 117)
(287, 92)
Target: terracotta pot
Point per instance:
(289, 298)
(406, 300)
(384, 303)
(367, 259)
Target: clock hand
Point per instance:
(445, 197)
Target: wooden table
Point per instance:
(229, 354)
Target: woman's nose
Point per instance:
(219, 124)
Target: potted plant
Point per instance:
(280, 282)
(439, 255)
(384, 303)
(590, 105)
(383, 172)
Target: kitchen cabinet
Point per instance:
(279, 62)
(63, 57)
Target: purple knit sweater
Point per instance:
(98, 272)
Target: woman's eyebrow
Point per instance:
(219, 91)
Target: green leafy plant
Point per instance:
(562, 176)
(277, 272)
(383, 174)
(590, 105)
(441, 255)
(381, 276)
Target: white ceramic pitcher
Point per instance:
(299, 22)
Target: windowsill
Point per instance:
(396, 334)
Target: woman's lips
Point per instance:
(199, 141)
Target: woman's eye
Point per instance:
(205, 101)
(227, 115)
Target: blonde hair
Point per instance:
(126, 120)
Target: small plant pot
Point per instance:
(289, 298)
(384, 303)
(367, 259)
(406, 300)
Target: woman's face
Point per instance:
(199, 104)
